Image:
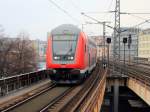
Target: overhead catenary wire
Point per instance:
(146, 21)
(139, 13)
(110, 4)
(102, 12)
(97, 20)
(75, 5)
(110, 11)
(94, 12)
(109, 7)
(64, 11)
(137, 16)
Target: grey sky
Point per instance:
(37, 17)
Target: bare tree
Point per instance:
(5, 48)
(17, 55)
(24, 55)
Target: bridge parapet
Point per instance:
(140, 88)
(93, 102)
(9, 84)
(139, 82)
(138, 79)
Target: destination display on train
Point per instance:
(65, 37)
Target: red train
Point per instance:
(70, 54)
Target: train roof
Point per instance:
(66, 29)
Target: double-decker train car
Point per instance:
(70, 54)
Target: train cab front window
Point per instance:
(64, 47)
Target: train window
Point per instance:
(64, 45)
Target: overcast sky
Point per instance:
(37, 17)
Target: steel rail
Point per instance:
(100, 81)
(59, 98)
(29, 98)
(56, 100)
(74, 103)
(139, 73)
(85, 94)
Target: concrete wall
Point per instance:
(140, 88)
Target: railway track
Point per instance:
(57, 98)
(135, 71)
(25, 98)
(142, 72)
(138, 73)
(58, 101)
(38, 101)
(71, 101)
(23, 94)
(75, 104)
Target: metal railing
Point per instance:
(9, 84)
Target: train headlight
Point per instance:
(70, 58)
(56, 57)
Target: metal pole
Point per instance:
(108, 55)
(129, 57)
(124, 58)
(108, 43)
(117, 31)
(116, 95)
(104, 37)
(82, 27)
(138, 44)
(100, 55)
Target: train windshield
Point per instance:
(64, 45)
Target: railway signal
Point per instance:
(129, 41)
(129, 45)
(124, 42)
(108, 42)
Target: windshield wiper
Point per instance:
(70, 50)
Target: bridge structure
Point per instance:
(88, 96)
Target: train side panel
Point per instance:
(49, 53)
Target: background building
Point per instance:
(40, 47)
(100, 46)
(132, 52)
(144, 44)
(99, 43)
